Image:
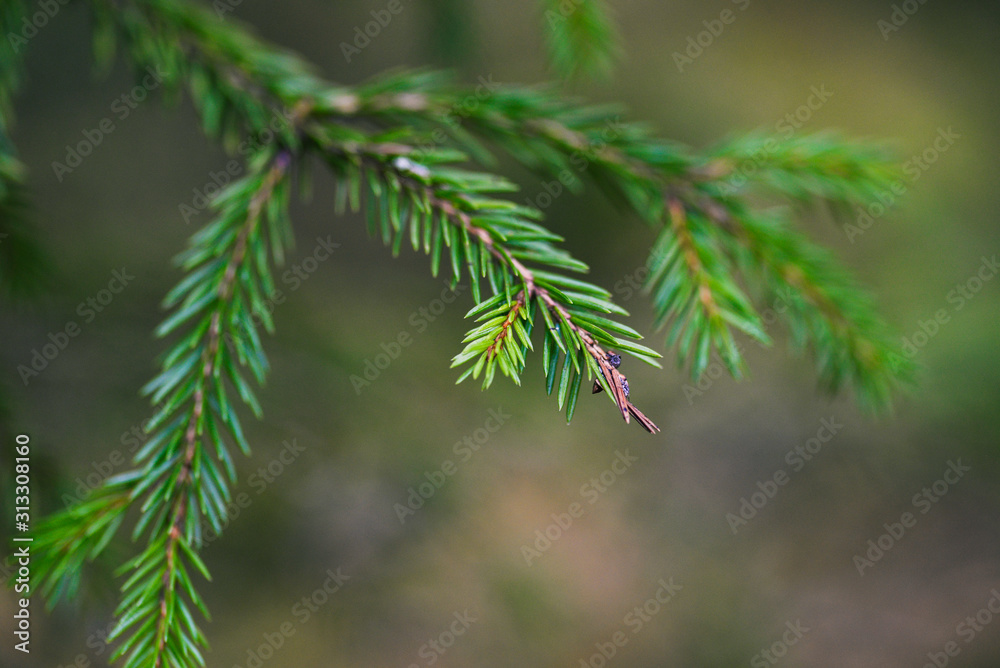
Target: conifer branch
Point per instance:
(821, 305)
(582, 37)
(169, 642)
(179, 484)
(802, 168)
(491, 239)
(700, 204)
(693, 290)
(398, 147)
(66, 541)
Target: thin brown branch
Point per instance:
(505, 330)
(376, 159)
(678, 220)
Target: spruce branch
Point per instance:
(486, 238)
(399, 148)
(821, 305)
(697, 201)
(238, 84)
(548, 133)
(819, 166)
(227, 284)
(185, 468)
(582, 37)
(694, 294)
(173, 494)
(66, 541)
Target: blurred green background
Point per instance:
(783, 588)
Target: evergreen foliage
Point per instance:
(402, 149)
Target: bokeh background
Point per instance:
(331, 506)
